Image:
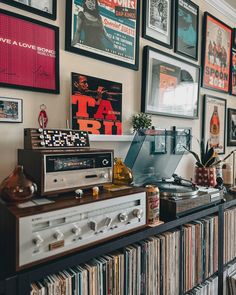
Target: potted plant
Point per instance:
(141, 121)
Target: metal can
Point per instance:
(153, 204)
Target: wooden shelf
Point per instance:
(113, 138)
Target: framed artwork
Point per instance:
(96, 105)
(104, 30)
(157, 21)
(216, 53)
(158, 146)
(233, 73)
(11, 110)
(31, 54)
(231, 127)
(46, 8)
(186, 28)
(214, 117)
(170, 86)
(182, 139)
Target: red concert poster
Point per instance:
(233, 73)
(218, 38)
(96, 105)
(29, 56)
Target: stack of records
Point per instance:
(209, 287)
(230, 235)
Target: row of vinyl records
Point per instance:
(229, 234)
(150, 267)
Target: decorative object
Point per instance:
(182, 139)
(186, 28)
(104, 30)
(214, 116)
(216, 54)
(46, 8)
(121, 173)
(231, 128)
(31, 53)
(11, 110)
(205, 176)
(233, 73)
(96, 105)
(157, 21)
(141, 121)
(43, 117)
(170, 86)
(17, 188)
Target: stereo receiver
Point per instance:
(59, 171)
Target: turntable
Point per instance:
(153, 159)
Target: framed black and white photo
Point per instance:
(104, 30)
(170, 86)
(186, 28)
(157, 21)
(182, 139)
(46, 8)
(11, 110)
(214, 120)
(231, 128)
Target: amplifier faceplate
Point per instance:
(44, 235)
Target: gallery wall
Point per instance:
(58, 106)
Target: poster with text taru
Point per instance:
(217, 55)
(96, 105)
(109, 30)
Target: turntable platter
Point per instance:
(172, 190)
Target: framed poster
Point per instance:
(170, 86)
(182, 140)
(46, 8)
(29, 54)
(11, 110)
(157, 21)
(216, 54)
(233, 73)
(96, 105)
(104, 30)
(186, 28)
(214, 116)
(231, 128)
(234, 39)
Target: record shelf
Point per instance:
(22, 280)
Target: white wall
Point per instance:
(11, 135)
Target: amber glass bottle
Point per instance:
(215, 128)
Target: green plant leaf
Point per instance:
(210, 162)
(202, 151)
(208, 156)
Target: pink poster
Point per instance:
(29, 56)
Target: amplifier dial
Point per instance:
(123, 217)
(38, 240)
(105, 162)
(138, 213)
(76, 230)
(58, 235)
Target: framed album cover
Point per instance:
(170, 86)
(104, 30)
(216, 54)
(96, 105)
(231, 131)
(233, 73)
(46, 8)
(182, 139)
(11, 110)
(214, 120)
(186, 28)
(31, 54)
(157, 21)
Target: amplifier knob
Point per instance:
(105, 162)
(138, 213)
(123, 217)
(104, 175)
(38, 241)
(93, 225)
(42, 143)
(58, 235)
(76, 230)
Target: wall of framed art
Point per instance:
(160, 27)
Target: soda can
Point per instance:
(153, 204)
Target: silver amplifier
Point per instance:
(59, 231)
(58, 171)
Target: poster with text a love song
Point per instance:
(29, 56)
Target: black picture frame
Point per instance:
(11, 110)
(233, 73)
(212, 72)
(34, 10)
(182, 140)
(188, 10)
(234, 38)
(231, 127)
(184, 82)
(150, 33)
(35, 68)
(111, 48)
(215, 140)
